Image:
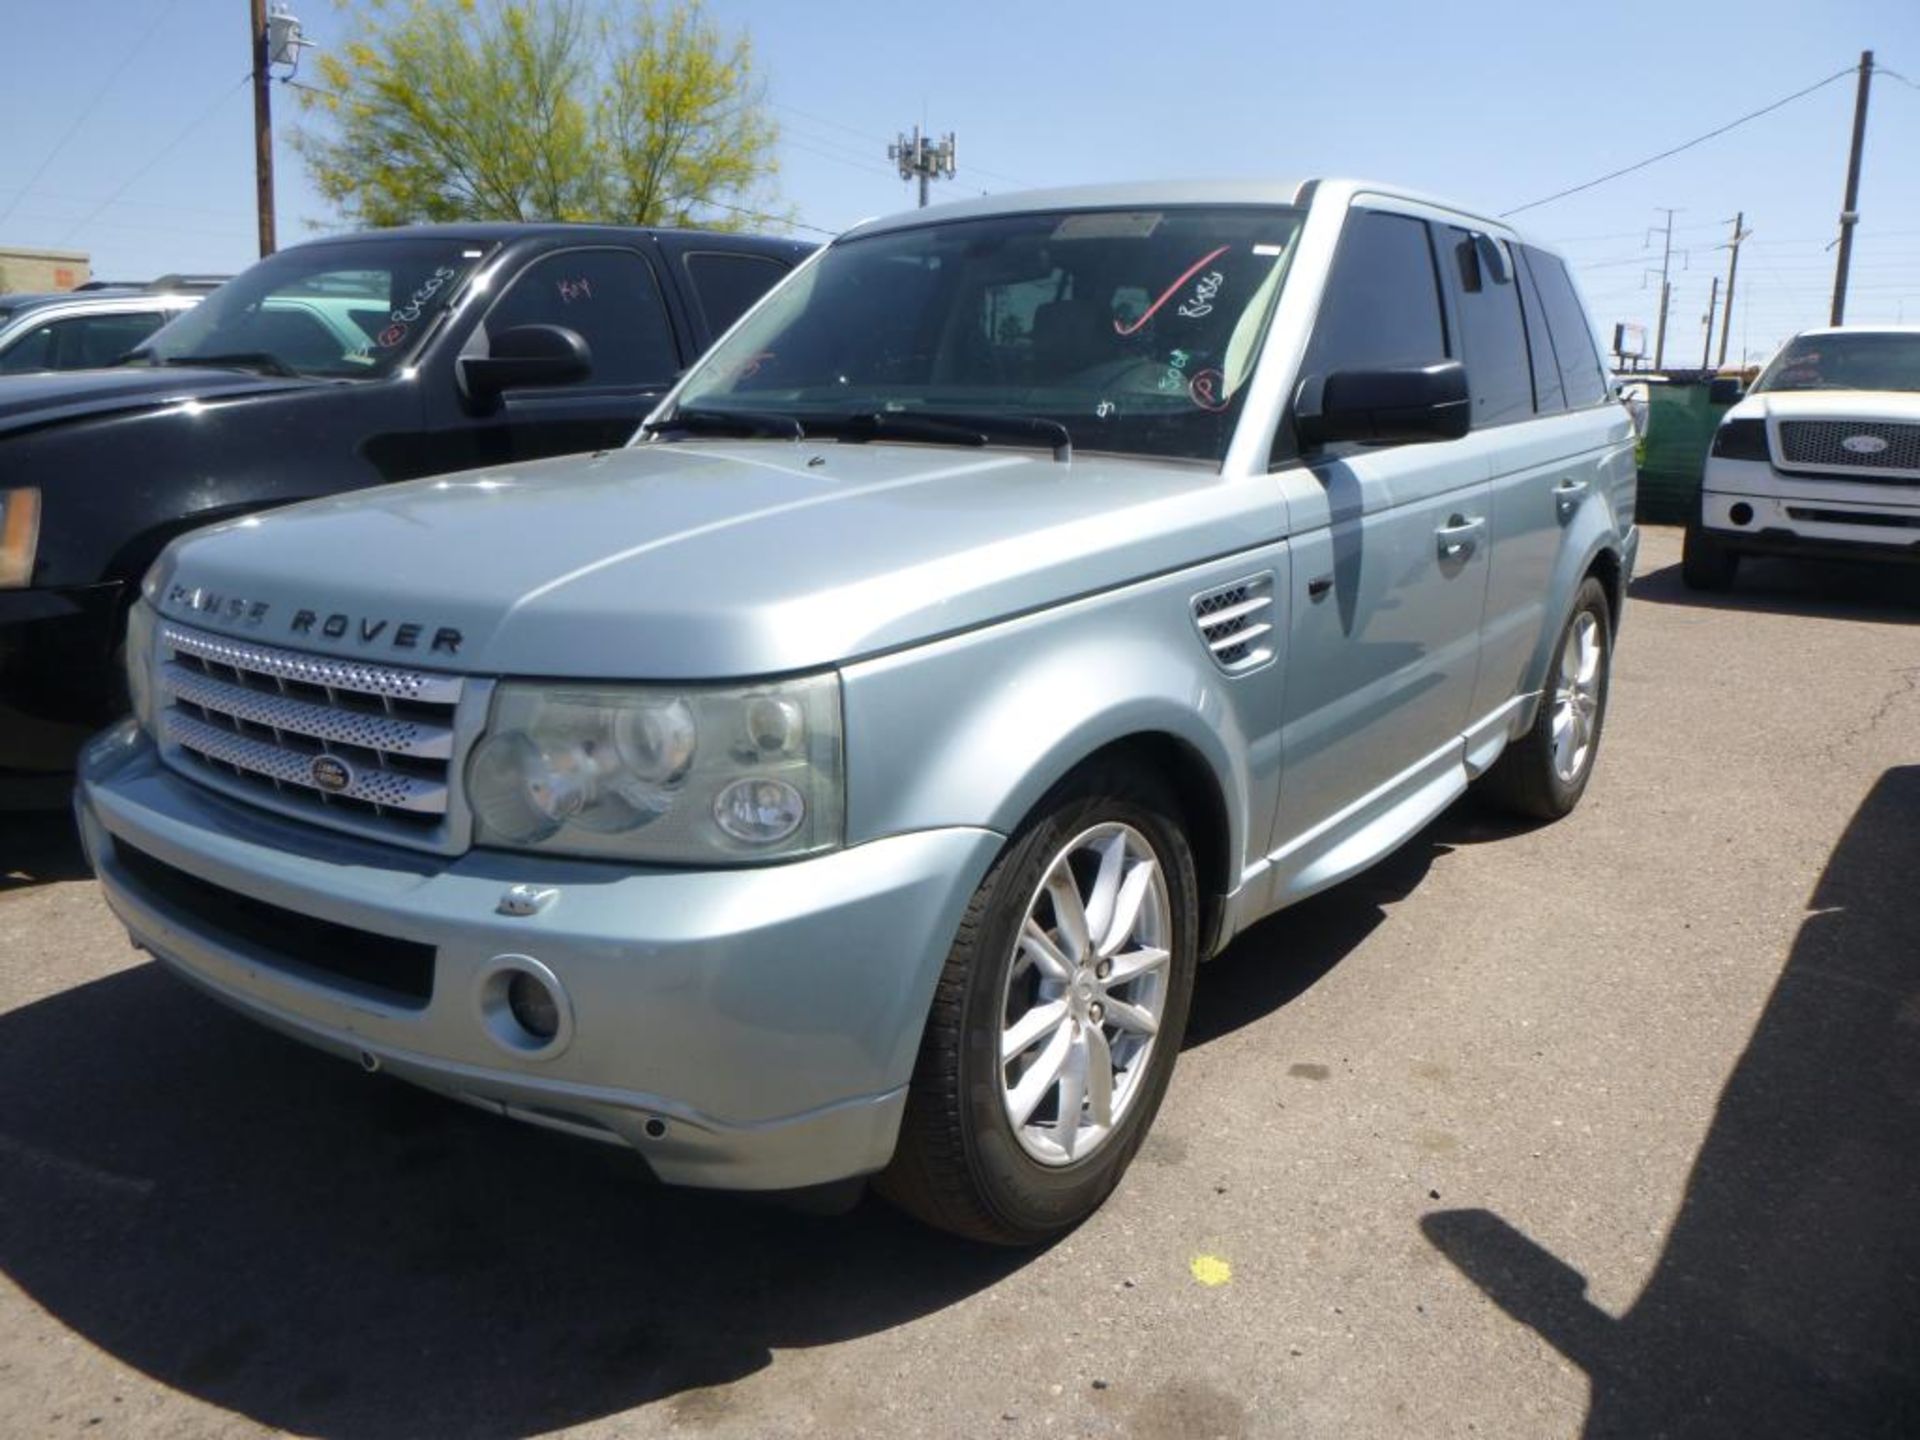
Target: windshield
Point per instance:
(1134, 330)
(1865, 361)
(326, 310)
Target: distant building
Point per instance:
(42, 270)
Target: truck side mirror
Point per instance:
(1389, 406)
(1725, 391)
(524, 356)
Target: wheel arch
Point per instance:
(1608, 568)
(1200, 805)
(1599, 559)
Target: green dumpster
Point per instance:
(1680, 425)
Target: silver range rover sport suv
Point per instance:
(847, 778)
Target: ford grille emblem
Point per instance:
(1863, 444)
(330, 773)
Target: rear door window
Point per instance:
(97, 340)
(1580, 372)
(727, 285)
(611, 299)
(1549, 395)
(80, 342)
(32, 351)
(1493, 336)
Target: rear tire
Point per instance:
(1707, 563)
(1543, 774)
(1026, 988)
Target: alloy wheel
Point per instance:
(1085, 994)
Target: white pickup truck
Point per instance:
(1821, 459)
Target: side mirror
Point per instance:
(1390, 406)
(526, 355)
(1726, 391)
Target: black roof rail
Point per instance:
(189, 282)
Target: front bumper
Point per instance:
(748, 1029)
(57, 684)
(1749, 507)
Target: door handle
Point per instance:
(1567, 495)
(1458, 536)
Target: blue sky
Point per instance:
(136, 111)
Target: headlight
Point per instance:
(1741, 440)
(140, 663)
(19, 536)
(677, 775)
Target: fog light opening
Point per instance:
(1741, 514)
(532, 1005)
(523, 1007)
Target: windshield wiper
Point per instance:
(261, 360)
(696, 421)
(950, 428)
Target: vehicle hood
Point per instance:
(702, 559)
(1890, 405)
(29, 402)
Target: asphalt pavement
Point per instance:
(1605, 1128)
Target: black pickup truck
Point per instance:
(332, 365)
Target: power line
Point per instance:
(105, 89)
(1688, 145)
(870, 136)
(62, 199)
(760, 215)
(1624, 235)
(832, 149)
(310, 89)
(871, 167)
(161, 154)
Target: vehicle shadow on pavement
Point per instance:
(1275, 962)
(39, 847)
(1787, 1300)
(274, 1233)
(1773, 586)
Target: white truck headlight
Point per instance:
(139, 659)
(676, 774)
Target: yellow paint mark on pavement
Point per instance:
(1210, 1270)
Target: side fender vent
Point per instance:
(1236, 623)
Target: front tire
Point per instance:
(1706, 563)
(1057, 1018)
(1544, 774)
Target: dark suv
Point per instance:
(330, 366)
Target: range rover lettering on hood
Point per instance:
(332, 625)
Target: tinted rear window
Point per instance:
(1580, 372)
(1492, 335)
(727, 285)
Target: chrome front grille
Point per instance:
(1849, 445)
(371, 749)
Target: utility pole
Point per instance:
(1849, 213)
(262, 127)
(1733, 270)
(1666, 290)
(1713, 303)
(920, 156)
